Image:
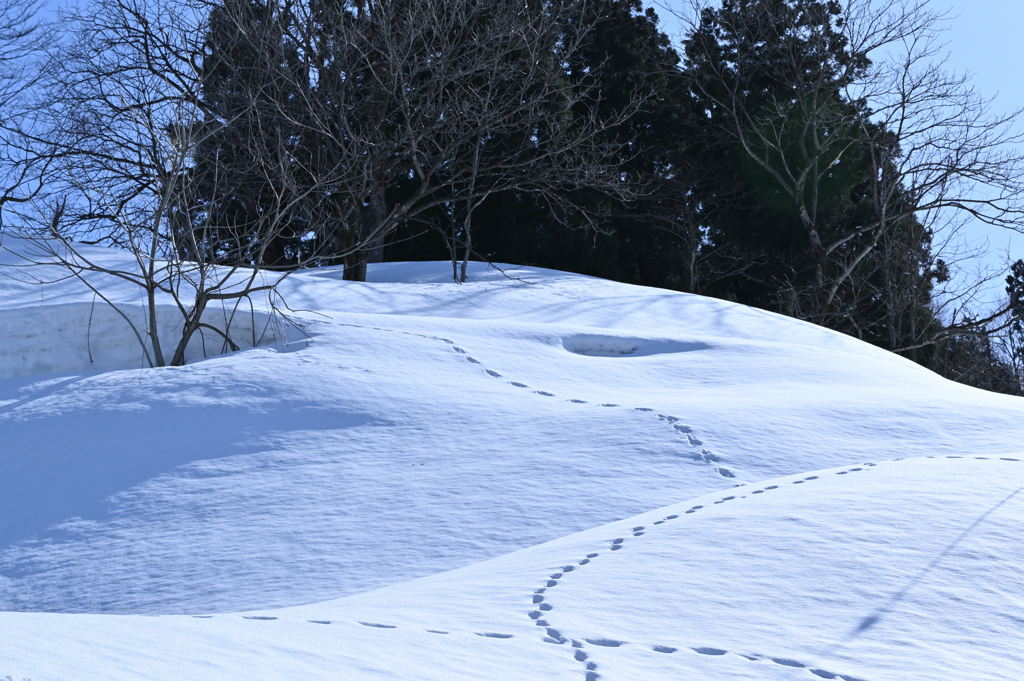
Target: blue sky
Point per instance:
(985, 39)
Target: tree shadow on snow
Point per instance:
(70, 443)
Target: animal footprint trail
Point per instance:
(378, 625)
(685, 431)
(688, 436)
(543, 610)
(681, 429)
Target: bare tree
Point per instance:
(118, 128)
(427, 104)
(217, 194)
(807, 88)
(23, 41)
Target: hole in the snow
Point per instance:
(624, 346)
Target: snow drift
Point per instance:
(757, 493)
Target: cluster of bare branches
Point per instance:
(809, 90)
(436, 104)
(113, 131)
(224, 144)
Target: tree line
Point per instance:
(809, 157)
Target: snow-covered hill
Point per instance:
(464, 459)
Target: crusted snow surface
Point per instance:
(434, 455)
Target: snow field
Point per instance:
(437, 454)
(855, 583)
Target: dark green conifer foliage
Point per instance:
(249, 74)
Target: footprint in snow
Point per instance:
(605, 642)
(787, 663)
(681, 428)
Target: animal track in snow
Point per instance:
(786, 662)
(544, 608)
(583, 345)
(680, 428)
(555, 636)
(585, 348)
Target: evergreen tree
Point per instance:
(250, 76)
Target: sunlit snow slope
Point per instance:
(427, 427)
